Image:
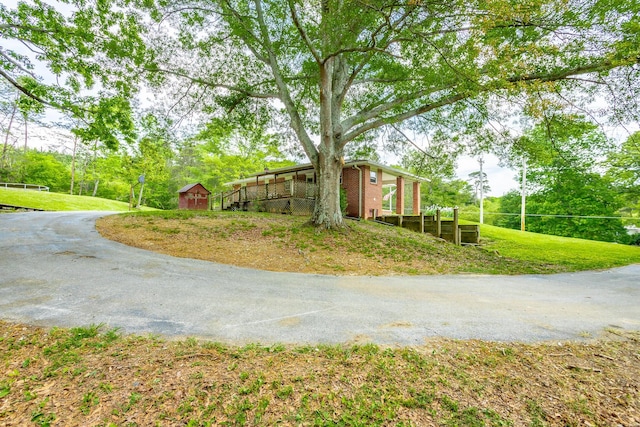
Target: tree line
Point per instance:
(213, 157)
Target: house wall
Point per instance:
(400, 195)
(182, 201)
(351, 183)
(351, 179)
(371, 193)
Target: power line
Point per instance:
(559, 216)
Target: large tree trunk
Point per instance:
(327, 213)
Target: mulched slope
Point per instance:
(285, 243)
(88, 376)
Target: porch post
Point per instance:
(416, 198)
(400, 195)
(456, 232)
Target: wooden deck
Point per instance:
(449, 230)
(274, 198)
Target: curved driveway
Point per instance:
(55, 269)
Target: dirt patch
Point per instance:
(285, 243)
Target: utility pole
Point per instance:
(141, 181)
(481, 193)
(524, 193)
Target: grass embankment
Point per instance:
(84, 376)
(59, 202)
(285, 243)
(574, 254)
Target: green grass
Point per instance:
(59, 202)
(575, 254)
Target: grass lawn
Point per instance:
(96, 376)
(59, 202)
(372, 248)
(575, 254)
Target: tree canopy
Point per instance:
(624, 171)
(329, 75)
(336, 71)
(568, 194)
(80, 57)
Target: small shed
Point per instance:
(193, 197)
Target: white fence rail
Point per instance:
(24, 186)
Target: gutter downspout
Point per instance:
(359, 191)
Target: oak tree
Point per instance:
(333, 72)
(624, 169)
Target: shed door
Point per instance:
(201, 201)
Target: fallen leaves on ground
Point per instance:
(286, 243)
(88, 376)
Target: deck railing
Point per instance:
(292, 197)
(449, 230)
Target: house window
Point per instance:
(373, 177)
(287, 186)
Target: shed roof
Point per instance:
(188, 187)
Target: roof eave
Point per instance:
(307, 166)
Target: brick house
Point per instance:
(371, 190)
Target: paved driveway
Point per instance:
(55, 269)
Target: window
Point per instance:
(373, 177)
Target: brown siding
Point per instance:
(196, 198)
(400, 195)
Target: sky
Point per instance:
(501, 180)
